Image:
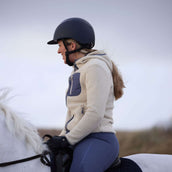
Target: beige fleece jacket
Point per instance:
(90, 97)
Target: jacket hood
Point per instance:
(98, 54)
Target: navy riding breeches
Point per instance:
(95, 153)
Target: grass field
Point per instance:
(155, 140)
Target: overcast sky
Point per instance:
(137, 35)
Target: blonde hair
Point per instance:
(118, 82)
(84, 50)
(117, 78)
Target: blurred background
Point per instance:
(136, 34)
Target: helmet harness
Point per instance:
(67, 53)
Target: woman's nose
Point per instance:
(58, 51)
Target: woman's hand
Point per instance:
(56, 143)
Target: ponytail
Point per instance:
(118, 82)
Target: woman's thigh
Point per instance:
(95, 153)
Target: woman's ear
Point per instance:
(73, 45)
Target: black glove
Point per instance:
(56, 143)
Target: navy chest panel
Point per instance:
(74, 88)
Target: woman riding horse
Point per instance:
(94, 84)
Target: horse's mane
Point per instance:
(18, 126)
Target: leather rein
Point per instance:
(43, 159)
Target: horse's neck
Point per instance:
(12, 147)
(15, 148)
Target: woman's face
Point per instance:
(62, 50)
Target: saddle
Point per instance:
(125, 165)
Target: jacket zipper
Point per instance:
(71, 87)
(82, 110)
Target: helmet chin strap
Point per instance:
(67, 59)
(67, 53)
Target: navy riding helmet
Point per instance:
(77, 29)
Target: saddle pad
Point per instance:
(127, 165)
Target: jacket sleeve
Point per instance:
(98, 84)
